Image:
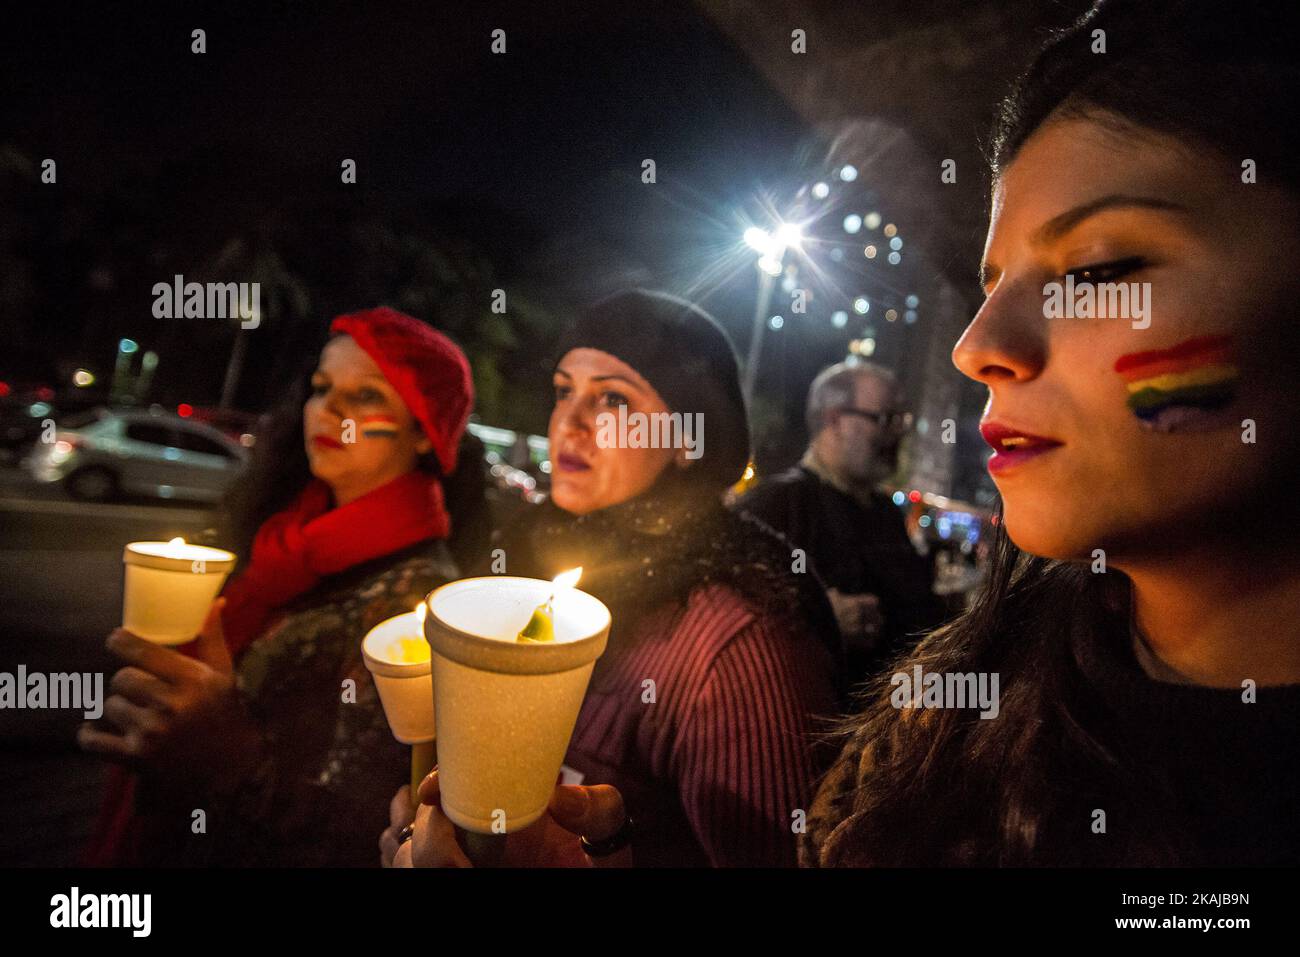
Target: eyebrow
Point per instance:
(602, 378)
(1059, 225)
(620, 378)
(367, 377)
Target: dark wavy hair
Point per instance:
(935, 786)
(277, 471)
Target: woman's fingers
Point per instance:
(167, 664)
(595, 813)
(429, 792)
(389, 845)
(399, 808)
(210, 645)
(399, 815)
(140, 730)
(433, 843)
(115, 747)
(129, 716)
(141, 687)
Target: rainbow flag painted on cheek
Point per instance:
(1185, 387)
(379, 426)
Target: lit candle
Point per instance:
(169, 587)
(541, 625)
(506, 708)
(398, 658)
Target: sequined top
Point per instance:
(320, 796)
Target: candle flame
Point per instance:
(567, 579)
(421, 612)
(177, 541)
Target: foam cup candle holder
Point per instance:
(506, 708)
(169, 587)
(397, 656)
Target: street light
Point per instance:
(789, 234)
(757, 239)
(770, 246)
(119, 386)
(771, 263)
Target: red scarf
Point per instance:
(296, 548)
(292, 551)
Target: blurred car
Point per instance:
(108, 453)
(21, 422)
(242, 427)
(518, 482)
(519, 464)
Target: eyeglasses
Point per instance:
(889, 421)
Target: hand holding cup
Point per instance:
(596, 813)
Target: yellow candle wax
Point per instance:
(408, 651)
(540, 626)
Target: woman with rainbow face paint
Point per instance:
(344, 520)
(1143, 614)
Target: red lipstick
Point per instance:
(325, 442)
(1013, 446)
(570, 463)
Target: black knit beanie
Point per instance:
(682, 351)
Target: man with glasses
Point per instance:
(854, 537)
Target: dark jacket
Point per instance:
(320, 795)
(856, 550)
(704, 709)
(1188, 775)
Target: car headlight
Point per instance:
(61, 452)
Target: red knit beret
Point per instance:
(426, 369)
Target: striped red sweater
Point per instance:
(705, 722)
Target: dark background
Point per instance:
(475, 171)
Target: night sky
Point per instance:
(535, 154)
(529, 162)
